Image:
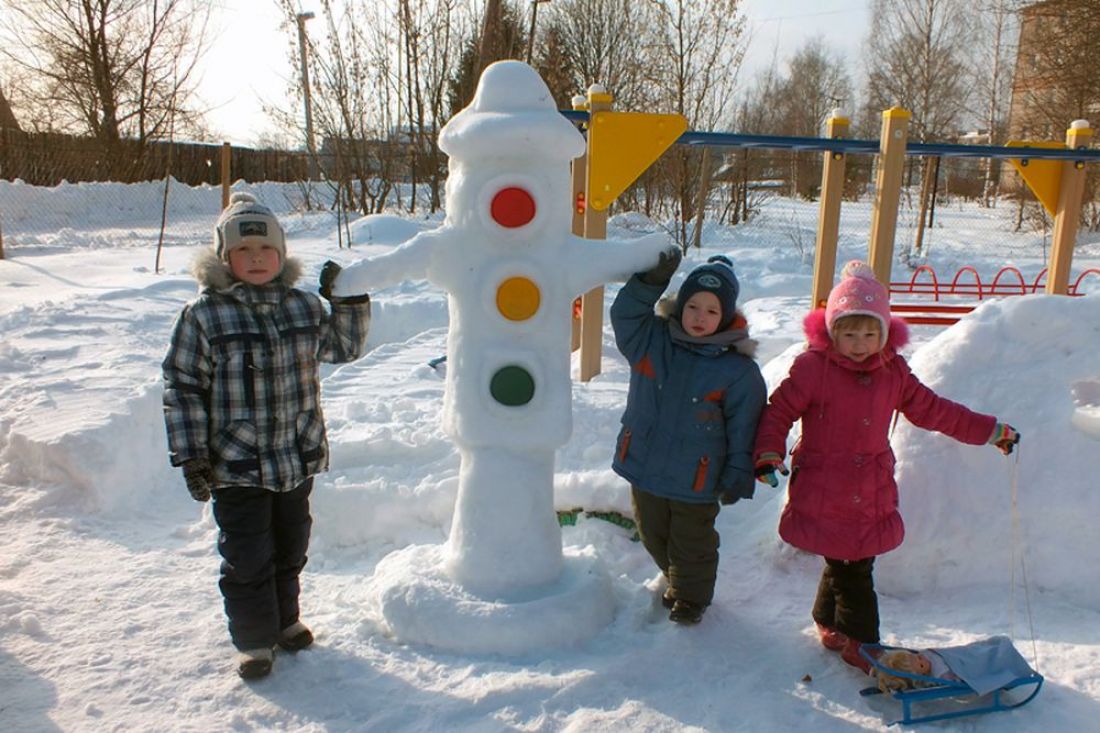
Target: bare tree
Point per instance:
(994, 82)
(380, 76)
(815, 83)
(606, 42)
(917, 58)
(113, 69)
(698, 52)
(1060, 65)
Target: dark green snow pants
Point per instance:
(682, 540)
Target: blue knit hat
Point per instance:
(716, 276)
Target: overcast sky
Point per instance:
(248, 59)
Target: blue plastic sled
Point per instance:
(1015, 684)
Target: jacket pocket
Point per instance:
(624, 445)
(701, 470)
(235, 447)
(310, 437)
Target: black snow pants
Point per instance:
(263, 536)
(846, 599)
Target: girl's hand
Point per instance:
(766, 466)
(1005, 437)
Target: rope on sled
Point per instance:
(1023, 567)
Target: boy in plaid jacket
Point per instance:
(243, 412)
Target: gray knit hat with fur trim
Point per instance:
(245, 219)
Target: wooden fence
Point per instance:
(47, 159)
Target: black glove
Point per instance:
(199, 477)
(743, 489)
(662, 272)
(329, 271)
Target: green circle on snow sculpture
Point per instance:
(512, 386)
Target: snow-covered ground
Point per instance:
(110, 617)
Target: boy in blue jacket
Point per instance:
(686, 442)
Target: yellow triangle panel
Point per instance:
(621, 145)
(1043, 177)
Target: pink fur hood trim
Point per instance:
(818, 335)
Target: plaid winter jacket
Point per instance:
(241, 382)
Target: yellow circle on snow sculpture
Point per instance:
(518, 298)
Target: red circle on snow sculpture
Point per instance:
(512, 207)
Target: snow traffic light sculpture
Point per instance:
(512, 268)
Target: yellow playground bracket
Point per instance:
(1043, 177)
(621, 145)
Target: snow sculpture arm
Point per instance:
(594, 262)
(410, 261)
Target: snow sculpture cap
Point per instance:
(513, 114)
(859, 294)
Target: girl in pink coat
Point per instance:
(842, 499)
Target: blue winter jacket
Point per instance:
(692, 409)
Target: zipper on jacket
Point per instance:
(624, 447)
(249, 386)
(701, 474)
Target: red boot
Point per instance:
(831, 639)
(851, 655)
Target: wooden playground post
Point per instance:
(595, 227)
(580, 175)
(227, 154)
(1068, 216)
(828, 213)
(891, 166)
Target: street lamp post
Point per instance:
(302, 18)
(531, 32)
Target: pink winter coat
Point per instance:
(842, 498)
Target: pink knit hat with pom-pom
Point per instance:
(859, 294)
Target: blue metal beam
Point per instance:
(843, 145)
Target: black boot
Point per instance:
(686, 612)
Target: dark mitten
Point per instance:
(735, 492)
(329, 271)
(199, 477)
(662, 272)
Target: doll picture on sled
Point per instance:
(917, 664)
(981, 677)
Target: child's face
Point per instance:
(858, 342)
(702, 313)
(255, 263)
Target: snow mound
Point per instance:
(969, 510)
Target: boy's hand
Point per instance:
(731, 494)
(199, 477)
(329, 271)
(766, 466)
(662, 272)
(1005, 437)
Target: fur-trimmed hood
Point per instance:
(817, 335)
(213, 273)
(735, 336)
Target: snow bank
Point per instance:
(1019, 359)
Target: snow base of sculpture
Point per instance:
(419, 603)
